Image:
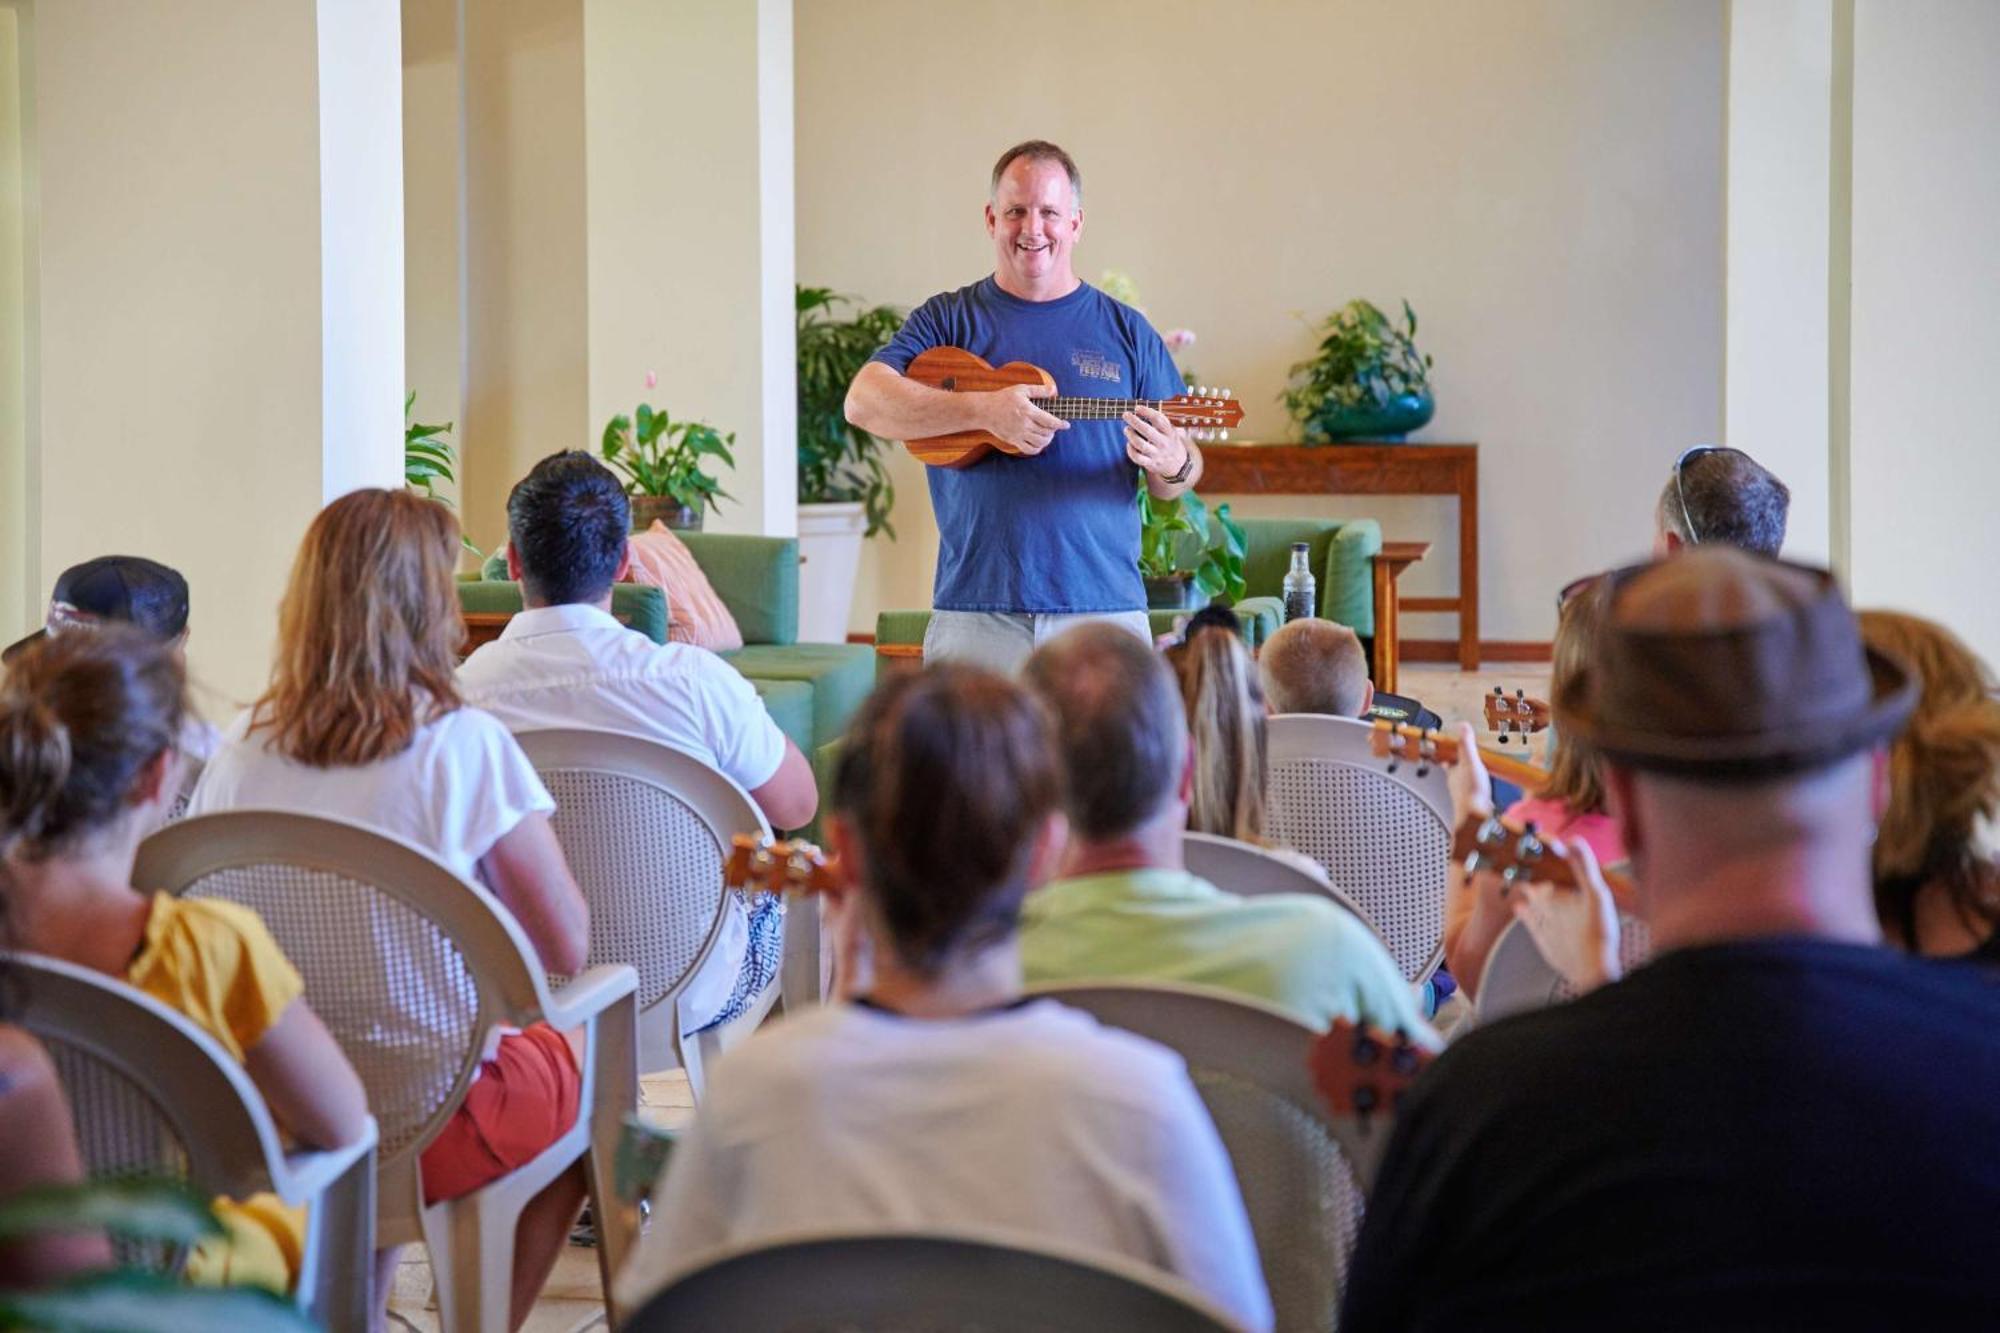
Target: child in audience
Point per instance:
(1225, 713)
(1937, 889)
(87, 730)
(1568, 807)
(363, 721)
(940, 1097)
(1316, 666)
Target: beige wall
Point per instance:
(525, 314)
(20, 601)
(1542, 180)
(432, 249)
(1925, 400)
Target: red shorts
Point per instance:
(524, 1099)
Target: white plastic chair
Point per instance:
(940, 1282)
(151, 1092)
(411, 968)
(1245, 868)
(1383, 837)
(1517, 979)
(645, 828)
(1303, 1171)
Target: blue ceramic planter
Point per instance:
(1391, 421)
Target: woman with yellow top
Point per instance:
(88, 723)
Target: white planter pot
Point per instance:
(829, 561)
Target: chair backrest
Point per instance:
(408, 965)
(1250, 870)
(960, 1282)
(1249, 1062)
(645, 828)
(1517, 978)
(1384, 837)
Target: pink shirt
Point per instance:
(1556, 820)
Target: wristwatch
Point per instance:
(1187, 466)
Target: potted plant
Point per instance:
(429, 458)
(1188, 556)
(845, 493)
(1367, 382)
(661, 461)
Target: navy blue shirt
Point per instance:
(1774, 1134)
(1058, 532)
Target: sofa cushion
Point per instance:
(790, 704)
(839, 675)
(696, 615)
(757, 577)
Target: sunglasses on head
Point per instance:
(1680, 493)
(1572, 588)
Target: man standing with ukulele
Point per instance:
(1030, 545)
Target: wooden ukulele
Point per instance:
(1397, 743)
(956, 370)
(1521, 854)
(763, 866)
(1518, 716)
(1361, 1073)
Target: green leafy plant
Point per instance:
(660, 456)
(838, 461)
(429, 458)
(1171, 530)
(161, 1211)
(1364, 361)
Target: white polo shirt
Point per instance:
(576, 666)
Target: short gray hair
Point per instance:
(1038, 150)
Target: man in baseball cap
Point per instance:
(1777, 1122)
(131, 588)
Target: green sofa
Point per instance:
(1342, 554)
(811, 689)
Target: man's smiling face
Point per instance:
(1034, 220)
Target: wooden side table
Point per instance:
(1389, 566)
(1369, 469)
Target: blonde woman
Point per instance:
(1937, 889)
(363, 721)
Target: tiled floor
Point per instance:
(571, 1301)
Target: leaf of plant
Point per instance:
(144, 1208)
(121, 1300)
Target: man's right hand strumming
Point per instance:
(1012, 415)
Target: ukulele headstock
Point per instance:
(1399, 743)
(1207, 413)
(1360, 1070)
(1513, 854)
(763, 866)
(1515, 716)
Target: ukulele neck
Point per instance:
(1095, 409)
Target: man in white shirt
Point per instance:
(565, 662)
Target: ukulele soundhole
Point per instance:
(949, 384)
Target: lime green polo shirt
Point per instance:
(1301, 953)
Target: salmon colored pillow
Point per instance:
(694, 613)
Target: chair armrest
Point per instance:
(308, 1171)
(1347, 594)
(589, 994)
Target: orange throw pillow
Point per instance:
(694, 613)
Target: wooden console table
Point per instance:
(1369, 469)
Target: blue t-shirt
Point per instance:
(1058, 532)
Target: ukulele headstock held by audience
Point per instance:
(1359, 1069)
(760, 865)
(1515, 716)
(1513, 854)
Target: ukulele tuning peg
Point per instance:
(1225, 436)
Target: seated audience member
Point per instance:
(1720, 496)
(1315, 666)
(1568, 807)
(1127, 908)
(940, 1097)
(87, 730)
(1777, 1123)
(137, 591)
(34, 1119)
(1937, 888)
(564, 662)
(363, 721)
(1225, 716)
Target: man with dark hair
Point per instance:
(1721, 496)
(1777, 1122)
(1031, 543)
(1128, 909)
(564, 662)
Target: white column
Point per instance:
(688, 115)
(196, 397)
(1780, 227)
